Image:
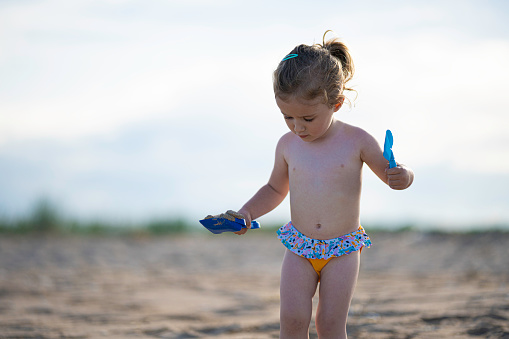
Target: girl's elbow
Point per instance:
(280, 191)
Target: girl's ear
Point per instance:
(339, 104)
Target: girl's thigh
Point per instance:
(337, 285)
(298, 286)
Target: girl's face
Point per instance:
(308, 119)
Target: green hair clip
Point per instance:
(290, 56)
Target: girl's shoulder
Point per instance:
(352, 131)
(357, 135)
(365, 141)
(286, 139)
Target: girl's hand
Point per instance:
(247, 217)
(399, 177)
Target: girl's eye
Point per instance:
(305, 119)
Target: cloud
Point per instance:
(106, 102)
(444, 101)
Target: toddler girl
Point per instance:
(320, 163)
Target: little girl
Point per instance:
(320, 163)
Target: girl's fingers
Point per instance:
(235, 214)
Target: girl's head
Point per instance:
(319, 71)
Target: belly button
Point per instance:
(318, 225)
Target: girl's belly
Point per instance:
(325, 216)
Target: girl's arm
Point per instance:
(271, 194)
(398, 178)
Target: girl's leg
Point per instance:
(337, 284)
(298, 286)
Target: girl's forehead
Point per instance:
(297, 100)
(296, 106)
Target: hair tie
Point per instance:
(290, 56)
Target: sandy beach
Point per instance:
(411, 285)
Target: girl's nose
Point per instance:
(298, 127)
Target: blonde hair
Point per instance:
(319, 70)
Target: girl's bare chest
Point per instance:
(327, 161)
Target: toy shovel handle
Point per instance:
(388, 154)
(254, 224)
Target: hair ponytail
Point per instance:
(339, 50)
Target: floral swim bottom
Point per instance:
(311, 248)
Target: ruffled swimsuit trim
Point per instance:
(311, 248)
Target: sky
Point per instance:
(128, 110)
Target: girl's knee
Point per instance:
(293, 324)
(330, 327)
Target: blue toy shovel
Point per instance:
(220, 225)
(388, 149)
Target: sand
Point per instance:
(411, 285)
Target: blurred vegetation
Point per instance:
(433, 229)
(46, 218)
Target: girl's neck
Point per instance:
(331, 131)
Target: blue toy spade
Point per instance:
(219, 224)
(388, 149)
